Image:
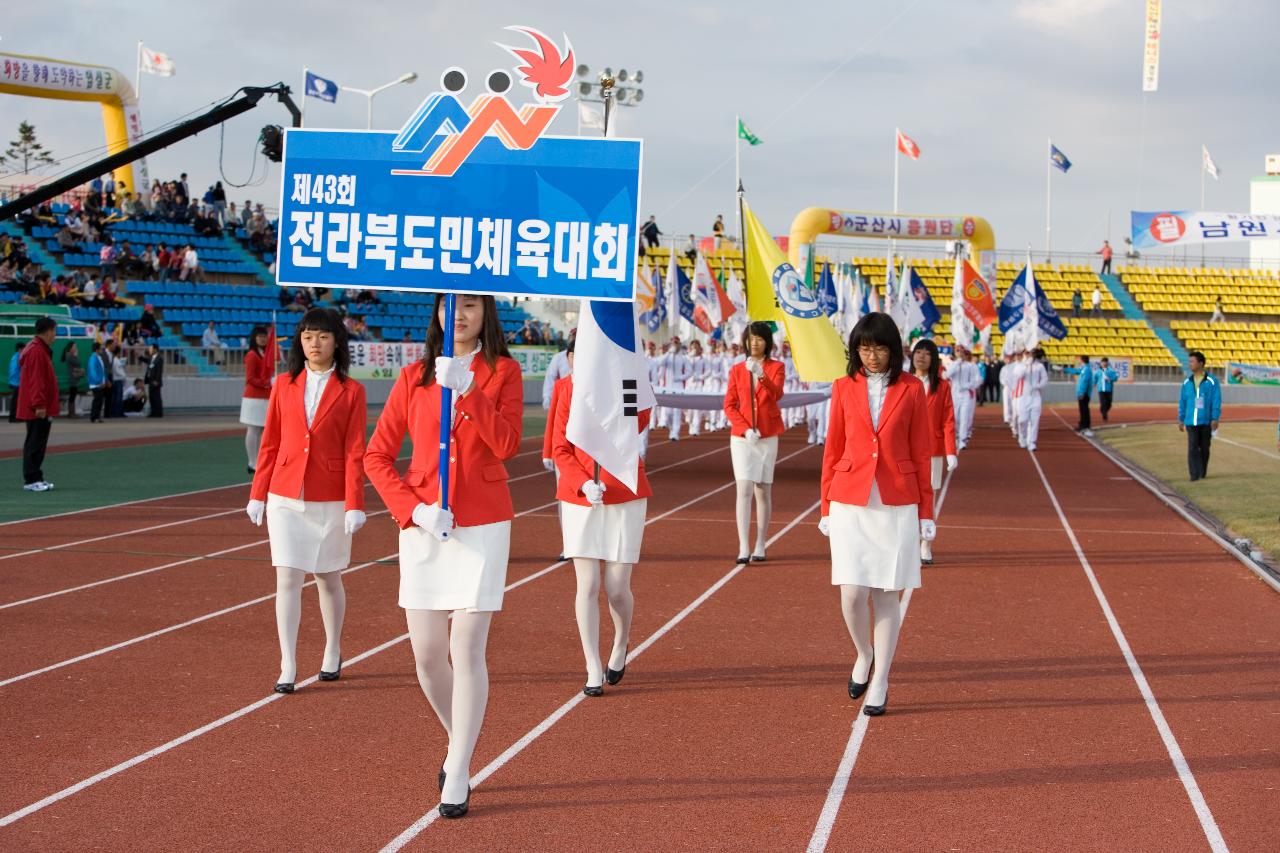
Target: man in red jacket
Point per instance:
(37, 401)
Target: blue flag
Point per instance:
(1058, 159)
(656, 316)
(319, 87)
(827, 298)
(928, 309)
(1011, 307)
(684, 294)
(1049, 321)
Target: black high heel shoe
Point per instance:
(613, 676)
(440, 779)
(742, 561)
(456, 810)
(332, 676)
(284, 687)
(856, 688)
(757, 558)
(593, 691)
(876, 710)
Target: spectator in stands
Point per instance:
(259, 230)
(95, 189)
(407, 339)
(301, 300)
(219, 203)
(650, 232)
(135, 398)
(37, 402)
(184, 189)
(366, 297)
(7, 273)
(1105, 381)
(15, 379)
(67, 241)
(107, 258)
(157, 193)
(1199, 412)
(146, 265)
(89, 292)
(109, 190)
(190, 264)
(528, 335)
(134, 208)
(1084, 392)
(691, 248)
(717, 229)
(284, 297)
(93, 206)
(119, 378)
(99, 382)
(107, 292)
(61, 291)
(1097, 301)
(1077, 302)
(1105, 251)
(231, 218)
(148, 325)
(246, 213)
(164, 262)
(209, 340)
(71, 358)
(1218, 316)
(154, 377)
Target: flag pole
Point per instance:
(737, 166)
(302, 117)
(137, 76)
(897, 132)
(742, 220)
(446, 400)
(1048, 197)
(1203, 168)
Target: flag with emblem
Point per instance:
(320, 87)
(610, 389)
(746, 135)
(907, 146)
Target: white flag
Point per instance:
(610, 389)
(154, 62)
(1030, 309)
(590, 117)
(1209, 166)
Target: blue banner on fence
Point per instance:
(557, 219)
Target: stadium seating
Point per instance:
(1193, 290)
(1254, 343)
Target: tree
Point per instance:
(26, 151)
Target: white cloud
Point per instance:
(1060, 14)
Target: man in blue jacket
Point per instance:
(1083, 373)
(1105, 381)
(1199, 410)
(99, 384)
(15, 376)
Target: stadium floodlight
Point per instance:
(607, 72)
(621, 95)
(583, 71)
(637, 96)
(622, 75)
(638, 78)
(408, 77)
(584, 88)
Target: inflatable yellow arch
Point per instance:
(39, 77)
(813, 221)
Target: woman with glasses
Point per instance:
(877, 499)
(751, 404)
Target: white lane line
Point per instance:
(207, 616)
(121, 533)
(1266, 453)
(416, 828)
(248, 709)
(546, 473)
(844, 771)
(1188, 780)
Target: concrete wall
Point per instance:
(182, 392)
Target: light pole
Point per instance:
(612, 90)
(369, 93)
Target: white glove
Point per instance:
(353, 521)
(255, 510)
(953, 461)
(453, 374)
(593, 492)
(824, 525)
(755, 368)
(436, 521)
(752, 436)
(549, 464)
(928, 530)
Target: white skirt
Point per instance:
(610, 532)
(308, 535)
(876, 546)
(467, 571)
(935, 472)
(753, 464)
(253, 411)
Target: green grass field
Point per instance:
(1243, 487)
(98, 478)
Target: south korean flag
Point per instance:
(610, 389)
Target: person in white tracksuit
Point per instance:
(655, 381)
(964, 380)
(1005, 375)
(676, 372)
(1017, 371)
(1033, 380)
(697, 381)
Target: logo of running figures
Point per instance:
(446, 133)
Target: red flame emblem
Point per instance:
(545, 72)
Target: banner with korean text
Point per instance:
(1153, 229)
(360, 209)
(385, 359)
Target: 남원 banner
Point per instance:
(1152, 229)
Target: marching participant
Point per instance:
(965, 382)
(927, 367)
(602, 522)
(310, 484)
(560, 393)
(257, 390)
(877, 501)
(453, 561)
(1031, 381)
(676, 371)
(1005, 399)
(656, 380)
(751, 404)
(1017, 371)
(794, 414)
(697, 382)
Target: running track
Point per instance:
(1015, 719)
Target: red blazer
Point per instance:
(942, 418)
(253, 384)
(37, 384)
(737, 399)
(895, 457)
(320, 463)
(486, 432)
(576, 467)
(561, 390)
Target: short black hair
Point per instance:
(1104, 360)
(44, 324)
(876, 329)
(758, 329)
(1084, 358)
(572, 343)
(1196, 354)
(321, 320)
(935, 363)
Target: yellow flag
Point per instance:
(775, 291)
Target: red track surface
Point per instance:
(1014, 721)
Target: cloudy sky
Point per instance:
(822, 83)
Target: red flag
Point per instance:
(978, 304)
(908, 146)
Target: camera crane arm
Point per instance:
(247, 99)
